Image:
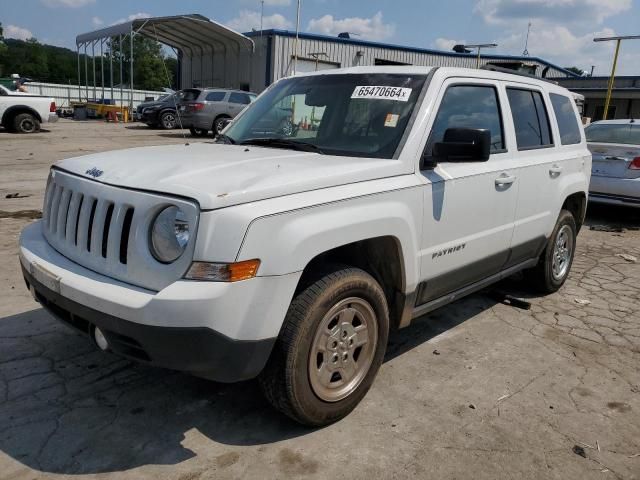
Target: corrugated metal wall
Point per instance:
(272, 60)
(226, 68)
(347, 56)
(64, 94)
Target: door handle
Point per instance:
(555, 170)
(505, 179)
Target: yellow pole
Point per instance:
(611, 80)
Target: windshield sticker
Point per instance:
(391, 120)
(399, 94)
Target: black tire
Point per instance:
(286, 380)
(542, 277)
(25, 123)
(217, 124)
(198, 132)
(168, 120)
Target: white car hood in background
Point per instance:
(219, 175)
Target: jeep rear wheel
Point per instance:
(25, 123)
(555, 262)
(330, 348)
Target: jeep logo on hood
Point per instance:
(94, 172)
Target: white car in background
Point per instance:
(615, 172)
(22, 112)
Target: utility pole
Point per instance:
(261, 16)
(295, 43)
(613, 67)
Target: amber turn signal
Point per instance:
(223, 272)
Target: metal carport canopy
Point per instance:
(184, 32)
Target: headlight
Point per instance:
(169, 234)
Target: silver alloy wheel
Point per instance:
(343, 349)
(168, 121)
(562, 252)
(27, 125)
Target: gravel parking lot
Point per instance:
(478, 389)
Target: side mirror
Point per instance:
(464, 145)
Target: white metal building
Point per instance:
(273, 57)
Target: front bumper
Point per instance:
(199, 351)
(222, 331)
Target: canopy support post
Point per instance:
(102, 67)
(111, 68)
(93, 61)
(131, 68)
(121, 77)
(79, 91)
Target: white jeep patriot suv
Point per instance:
(288, 254)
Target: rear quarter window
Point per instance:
(190, 95)
(567, 119)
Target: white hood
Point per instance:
(217, 175)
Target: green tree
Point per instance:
(149, 63)
(3, 50)
(47, 63)
(577, 71)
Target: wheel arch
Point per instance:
(15, 110)
(380, 257)
(576, 203)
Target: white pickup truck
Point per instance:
(290, 254)
(21, 112)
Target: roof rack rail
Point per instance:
(494, 68)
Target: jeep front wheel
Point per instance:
(330, 348)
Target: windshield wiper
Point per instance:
(283, 143)
(222, 138)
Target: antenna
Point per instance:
(525, 53)
(261, 15)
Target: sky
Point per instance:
(562, 31)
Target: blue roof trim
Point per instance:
(618, 77)
(392, 46)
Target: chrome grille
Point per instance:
(105, 229)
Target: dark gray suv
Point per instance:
(205, 109)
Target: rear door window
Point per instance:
(241, 98)
(530, 118)
(567, 120)
(215, 96)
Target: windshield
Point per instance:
(341, 114)
(627, 133)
